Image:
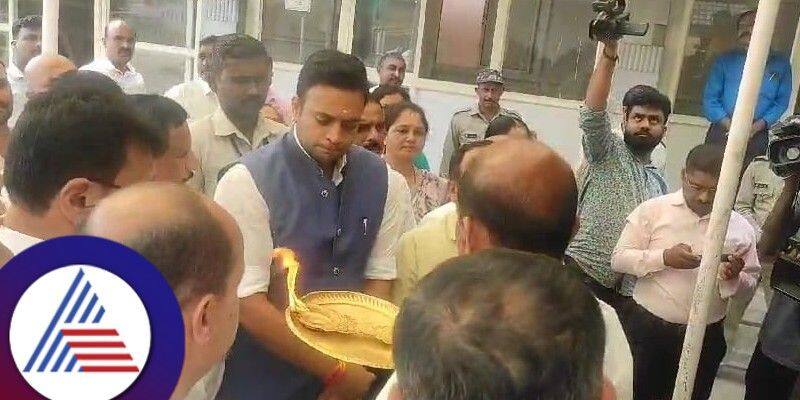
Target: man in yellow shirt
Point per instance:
(433, 241)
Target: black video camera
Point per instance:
(612, 22)
(784, 146)
(786, 270)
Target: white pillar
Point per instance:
(50, 27)
(347, 18)
(500, 35)
(674, 47)
(726, 192)
(795, 71)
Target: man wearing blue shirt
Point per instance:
(722, 89)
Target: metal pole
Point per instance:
(50, 27)
(723, 203)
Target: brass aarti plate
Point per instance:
(349, 326)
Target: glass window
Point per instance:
(383, 26)
(75, 25)
(548, 50)
(161, 22)
(220, 17)
(161, 70)
(75, 30)
(4, 47)
(712, 32)
(458, 38)
(3, 11)
(29, 7)
(291, 35)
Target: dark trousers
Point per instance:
(656, 346)
(609, 295)
(757, 146)
(767, 379)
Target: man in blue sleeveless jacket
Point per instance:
(338, 206)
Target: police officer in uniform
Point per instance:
(469, 124)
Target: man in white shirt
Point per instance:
(661, 245)
(241, 73)
(71, 149)
(120, 43)
(196, 97)
(338, 206)
(198, 248)
(505, 201)
(27, 44)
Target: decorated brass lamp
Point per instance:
(349, 326)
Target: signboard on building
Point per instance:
(298, 5)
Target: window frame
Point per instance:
(194, 28)
(671, 66)
(415, 82)
(8, 26)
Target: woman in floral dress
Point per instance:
(405, 139)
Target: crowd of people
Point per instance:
(516, 277)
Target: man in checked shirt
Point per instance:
(617, 177)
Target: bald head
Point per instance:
(120, 42)
(523, 194)
(198, 248)
(43, 69)
(189, 238)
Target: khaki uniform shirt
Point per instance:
(217, 143)
(467, 125)
(759, 190)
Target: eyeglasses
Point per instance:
(698, 188)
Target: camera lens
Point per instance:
(792, 153)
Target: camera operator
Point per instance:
(773, 370)
(618, 174)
